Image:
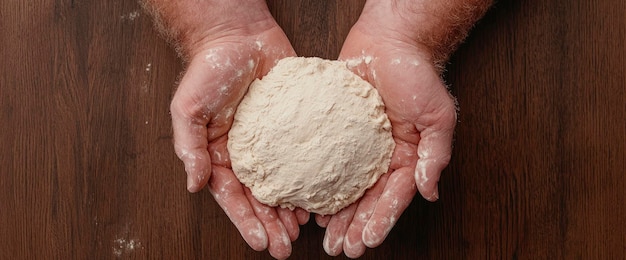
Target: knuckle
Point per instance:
(187, 108)
(448, 113)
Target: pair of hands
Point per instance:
(421, 111)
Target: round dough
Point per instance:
(310, 134)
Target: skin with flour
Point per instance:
(398, 45)
(224, 49)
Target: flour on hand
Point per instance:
(310, 134)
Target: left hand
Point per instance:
(423, 117)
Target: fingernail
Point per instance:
(192, 186)
(257, 237)
(435, 195)
(333, 249)
(369, 238)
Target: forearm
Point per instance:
(188, 24)
(437, 25)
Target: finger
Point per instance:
(399, 192)
(189, 120)
(336, 230)
(274, 49)
(322, 220)
(404, 154)
(302, 215)
(190, 144)
(219, 152)
(279, 243)
(434, 151)
(358, 64)
(353, 245)
(229, 194)
(288, 217)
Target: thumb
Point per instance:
(189, 124)
(434, 150)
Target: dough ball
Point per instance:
(310, 134)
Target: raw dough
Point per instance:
(310, 134)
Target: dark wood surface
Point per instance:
(88, 170)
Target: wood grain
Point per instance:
(88, 170)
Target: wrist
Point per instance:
(192, 25)
(436, 27)
(234, 19)
(397, 22)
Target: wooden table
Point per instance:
(88, 169)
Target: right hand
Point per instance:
(218, 75)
